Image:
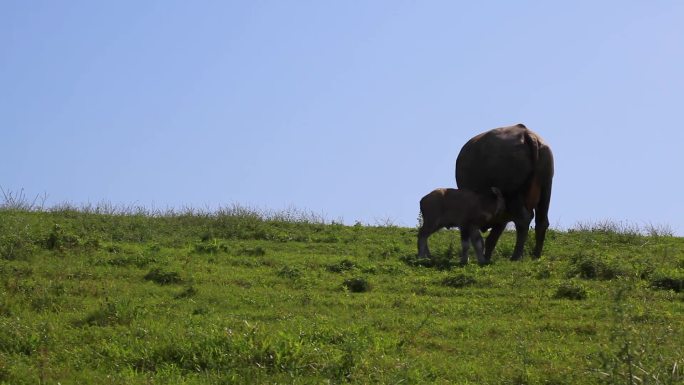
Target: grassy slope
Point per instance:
(128, 299)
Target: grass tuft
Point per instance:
(59, 239)
(211, 247)
(257, 251)
(589, 266)
(162, 277)
(570, 290)
(292, 273)
(671, 280)
(357, 285)
(439, 262)
(15, 247)
(341, 266)
(110, 313)
(459, 280)
(188, 292)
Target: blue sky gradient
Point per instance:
(353, 110)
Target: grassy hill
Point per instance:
(240, 297)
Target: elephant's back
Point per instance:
(502, 157)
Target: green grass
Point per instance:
(109, 297)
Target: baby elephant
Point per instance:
(465, 209)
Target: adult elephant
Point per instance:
(520, 164)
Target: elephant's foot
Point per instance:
(484, 261)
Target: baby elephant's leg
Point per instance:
(465, 244)
(478, 244)
(425, 231)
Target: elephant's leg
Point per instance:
(423, 250)
(521, 230)
(540, 234)
(522, 217)
(465, 244)
(478, 245)
(542, 219)
(522, 227)
(492, 239)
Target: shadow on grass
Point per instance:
(437, 261)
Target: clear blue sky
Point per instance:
(352, 109)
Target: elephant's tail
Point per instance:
(533, 143)
(533, 193)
